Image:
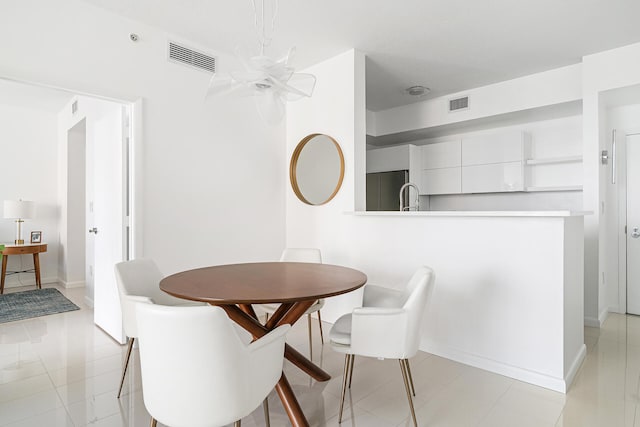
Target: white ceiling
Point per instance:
(447, 45)
(34, 97)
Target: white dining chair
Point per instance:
(197, 371)
(310, 255)
(139, 281)
(387, 326)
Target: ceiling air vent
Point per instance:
(192, 58)
(458, 104)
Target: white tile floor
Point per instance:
(61, 370)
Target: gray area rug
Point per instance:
(35, 303)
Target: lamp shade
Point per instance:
(19, 209)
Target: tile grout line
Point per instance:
(64, 405)
(495, 404)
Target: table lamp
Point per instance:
(19, 210)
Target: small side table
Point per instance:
(11, 249)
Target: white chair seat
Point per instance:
(341, 331)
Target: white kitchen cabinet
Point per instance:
(503, 147)
(563, 173)
(493, 178)
(438, 155)
(388, 159)
(440, 164)
(441, 181)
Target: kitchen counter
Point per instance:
(472, 213)
(509, 289)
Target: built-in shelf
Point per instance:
(556, 188)
(552, 160)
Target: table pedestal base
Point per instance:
(245, 316)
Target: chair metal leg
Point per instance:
(347, 365)
(353, 358)
(320, 323)
(265, 407)
(405, 375)
(154, 423)
(236, 424)
(310, 340)
(126, 364)
(413, 389)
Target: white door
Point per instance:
(107, 219)
(633, 224)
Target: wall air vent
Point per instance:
(458, 104)
(192, 58)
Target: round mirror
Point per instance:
(317, 169)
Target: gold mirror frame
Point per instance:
(294, 163)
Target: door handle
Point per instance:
(635, 233)
(95, 230)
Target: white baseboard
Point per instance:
(602, 317)
(573, 370)
(591, 322)
(88, 301)
(69, 285)
(616, 309)
(597, 322)
(553, 383)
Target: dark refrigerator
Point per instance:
(383, 190)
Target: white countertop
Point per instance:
(472, 213)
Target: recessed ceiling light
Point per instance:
(417, 90)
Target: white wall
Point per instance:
(28, 163)
(533, 91)
(337, 109)
(213, 172)
(612, 69)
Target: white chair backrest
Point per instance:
(311, 255)
(418, 291)
(140, 277)
(195, 369)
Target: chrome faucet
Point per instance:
(401, 197)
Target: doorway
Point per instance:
(632, 236)
(98, 200)
(97, 173)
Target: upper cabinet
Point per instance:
(440, 181)
(485, 163)
(493, 178)
(445, 154)
(503, 147)
(493, 163)
(545, 157)
(388, 159)
(440, 163)
(395, 158)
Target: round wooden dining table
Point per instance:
(296, 286)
